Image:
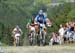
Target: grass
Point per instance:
(68, 48)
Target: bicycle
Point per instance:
(17, 39)
(32, 36)
(42, 35)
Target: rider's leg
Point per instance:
(17, 37)
(45, 32)
(37, 29)
(45, 29)
(18, 40)
(32, 29)
(14, 41)
(29, 33)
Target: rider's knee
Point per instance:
(32, 29)
(45, 29)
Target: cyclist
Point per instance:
(17, 32)
(33, 27)
(42, 19)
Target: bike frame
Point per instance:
(42, 36)
(33, 38)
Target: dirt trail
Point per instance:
(36, 49)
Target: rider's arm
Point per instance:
(48, 22)
(28, 23)
(13, 32)
(21, 31)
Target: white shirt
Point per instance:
(61, 31)
(15, 29)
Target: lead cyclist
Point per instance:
(43, 21)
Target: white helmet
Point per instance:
(17, 26)
(41, 12)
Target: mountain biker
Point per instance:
(32, 25)
(17, 32)
(42, 19)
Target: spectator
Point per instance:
(61, 34)
(66, 33)
(55, 39)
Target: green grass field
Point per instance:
(37, 49)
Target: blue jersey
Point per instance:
(41, 20)
(69, 30)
